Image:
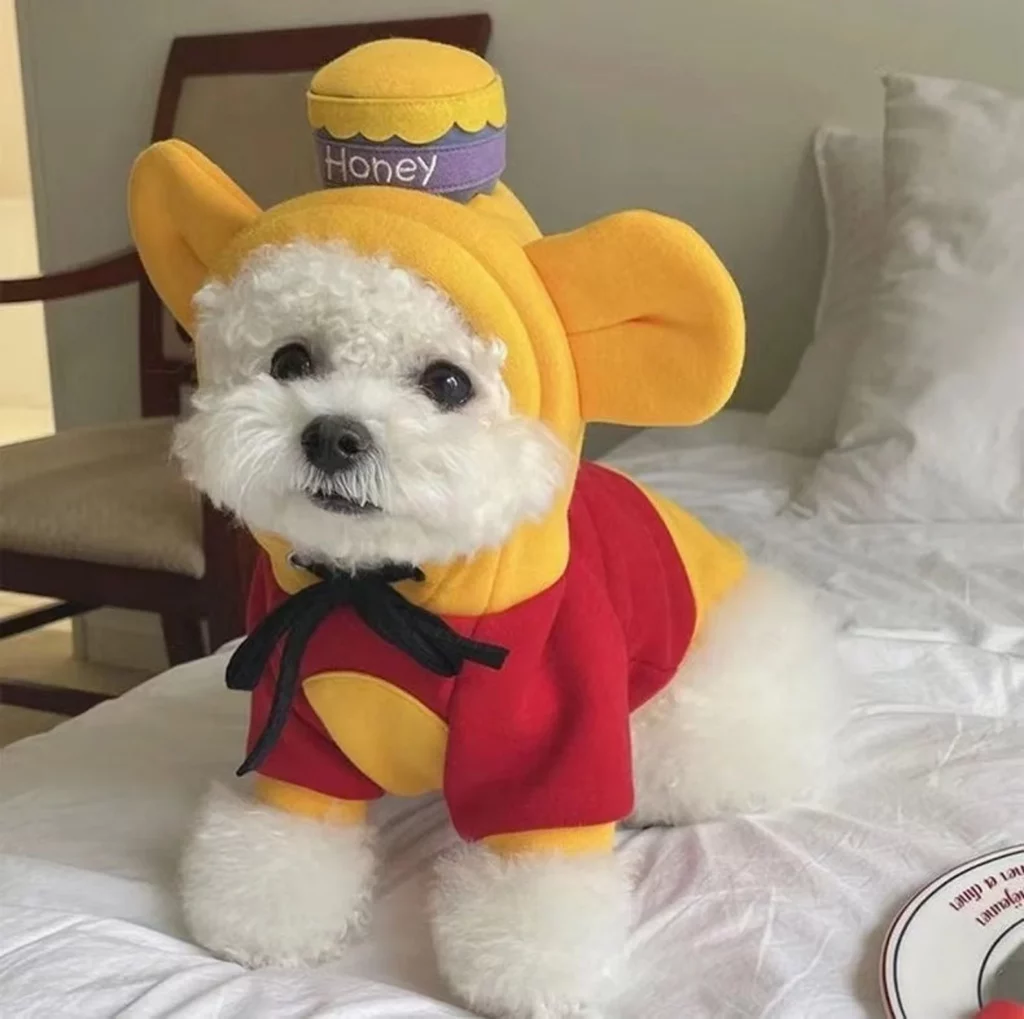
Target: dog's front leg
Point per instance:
(532, 925)
(282, 880)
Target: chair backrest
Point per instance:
(240, 98)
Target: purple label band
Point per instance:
(444, 167)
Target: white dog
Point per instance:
(347, 408)
(393, 393)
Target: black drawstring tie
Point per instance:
(423, 636)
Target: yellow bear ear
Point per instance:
(654, 320)
(183, 211)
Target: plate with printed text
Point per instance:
(948, 942)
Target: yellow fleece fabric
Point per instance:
(411, 89)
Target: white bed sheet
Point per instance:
(773, 916)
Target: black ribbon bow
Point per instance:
(423, 636)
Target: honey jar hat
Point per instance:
(420, 115)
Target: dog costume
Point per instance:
(505, 679)
(632, 320)
(523, 746)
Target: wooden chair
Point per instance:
(99, 516)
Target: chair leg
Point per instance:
(58, 700)
(230, 557)
(183, 638)
(224, 625)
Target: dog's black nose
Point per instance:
(334, 444)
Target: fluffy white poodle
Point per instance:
(349, 410)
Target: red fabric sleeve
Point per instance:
(544, 743)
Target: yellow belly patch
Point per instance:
(390, 736)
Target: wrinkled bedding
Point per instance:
(771, 916)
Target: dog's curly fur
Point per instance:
(265, 888)
(743, 727)
(530, 936)
(449, 484)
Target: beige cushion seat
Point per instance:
(109, 494)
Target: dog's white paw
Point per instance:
(266, 888)
(749, 721)
(533, 936)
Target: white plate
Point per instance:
(948, 941)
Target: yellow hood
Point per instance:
(630, 320)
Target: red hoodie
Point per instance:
(544, 741)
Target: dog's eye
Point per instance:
(292, 361)
(449, 387)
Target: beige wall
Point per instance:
(25, 403)
(702, 110)
(25, 379)
(14, 174)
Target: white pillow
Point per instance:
(850, 174)
(932, 425)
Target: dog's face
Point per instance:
(347, 406)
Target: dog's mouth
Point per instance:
(334, 503)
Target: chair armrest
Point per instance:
(116, 271)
